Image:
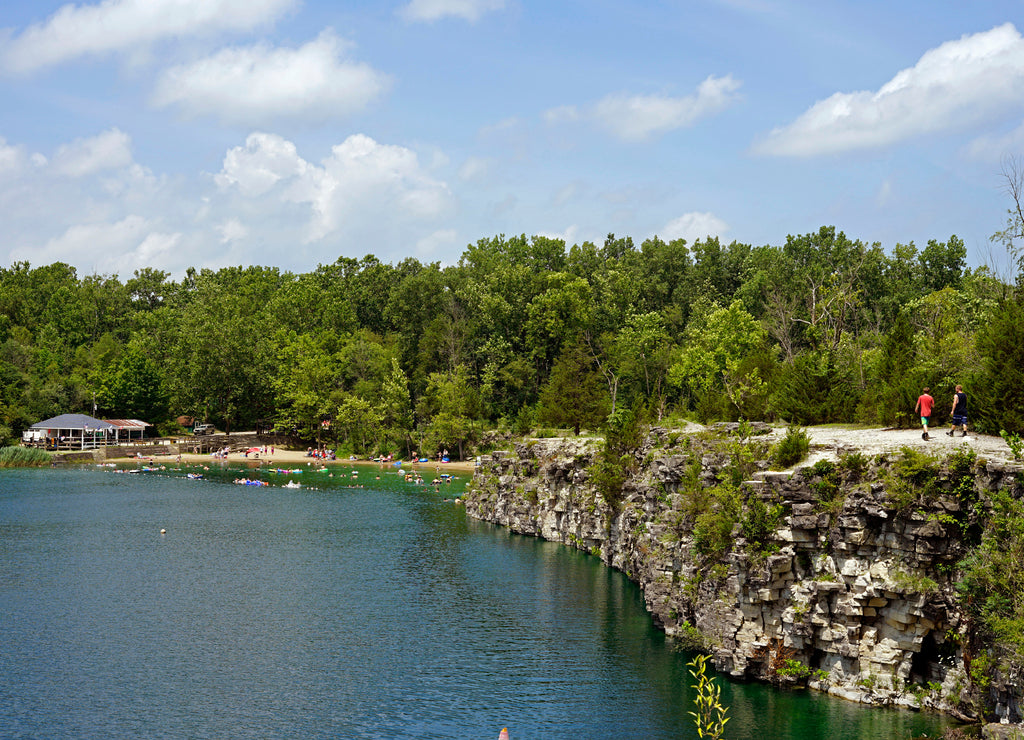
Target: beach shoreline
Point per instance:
(293, 458)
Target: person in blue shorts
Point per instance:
(959, 411)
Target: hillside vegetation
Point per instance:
(522, 332)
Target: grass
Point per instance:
(23, 457)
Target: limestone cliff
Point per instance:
(839, 575)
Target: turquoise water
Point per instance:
(334, 612)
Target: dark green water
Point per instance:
(334, 612)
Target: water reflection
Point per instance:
(332, 611)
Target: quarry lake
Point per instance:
(335, 611)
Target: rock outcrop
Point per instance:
(839, 575)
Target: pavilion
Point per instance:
(80, 432)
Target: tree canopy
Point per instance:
(377, 357)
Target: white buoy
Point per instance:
(163, 531)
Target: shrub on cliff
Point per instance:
(759, 523)
(791, 449)
(623, 433)
(991, 580)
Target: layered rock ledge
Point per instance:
(851, 590)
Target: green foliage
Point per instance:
(712, 531)
(690, 638)
(759, 522)
(624, 431)
(1014, 442)
(711, 366)
(820, 328)
(854, 465)
(791, 668)
(791, 449)
(913, 476)
(709, 714)
(575, 394)
(23, 457)
(999, 396)
(982, 668)
(816, 387)
(991, 582)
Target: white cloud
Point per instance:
(568, 236)
(439, 240)
(562, 114)
(957, 84)
(121, 246)
(638, 117)
(82, 157)
(232, 230)
(124, 25)
(994, 147)
(12, 158)
(432, 10)
(361, 183)
(475, 169)
(694, 226)
(260, 164)
(256, 83)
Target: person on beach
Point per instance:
(924, 407)
(959, 412)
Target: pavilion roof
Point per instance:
(72, 421)
(128, 423)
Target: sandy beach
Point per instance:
(298, 458)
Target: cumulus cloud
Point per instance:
(638, 117)
(123, 25)
(266, 205)
(693, 226)
(960, 83)
(432, 10)
(122, 246)
(255, 83)
(362, 182)
(82, 157)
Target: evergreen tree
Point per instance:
(999, 396)
(574, 394)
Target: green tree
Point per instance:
(574, 394)
(710, 367)
(999, 390)
(136, 390)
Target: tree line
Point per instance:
(521, 332)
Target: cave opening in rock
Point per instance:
(923, 661)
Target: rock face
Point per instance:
(838, 575)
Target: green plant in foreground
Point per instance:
(710, 716)
(1014, 442)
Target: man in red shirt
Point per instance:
(924, 406)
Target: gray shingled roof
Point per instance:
(72, 421)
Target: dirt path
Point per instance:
(830, 441)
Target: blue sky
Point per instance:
(205, 133)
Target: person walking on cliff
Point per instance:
(924, 407)
(959, 411)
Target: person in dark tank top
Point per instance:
(959, 411)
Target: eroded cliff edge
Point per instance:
(842, 574)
